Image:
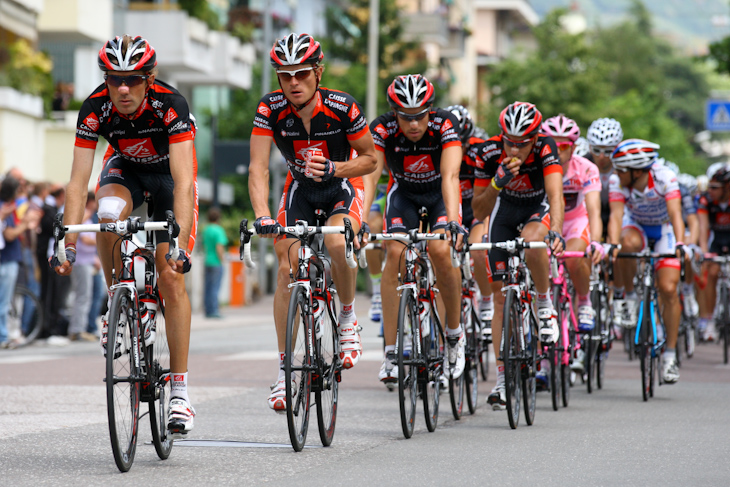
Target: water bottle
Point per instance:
(148, 313)
(319, 306)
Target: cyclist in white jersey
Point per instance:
(651, 192)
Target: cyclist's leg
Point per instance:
(482, 274)
(632, 240)
(375, 259)
(575, 232)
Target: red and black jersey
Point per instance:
(718, 213)
(528, 187)
(337, 119)
(466, 174)
(162, 119)
(415, 166)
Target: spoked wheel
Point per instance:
(725, 328)
(298, 365)
(555, 376)
(123, 379)
(690, 339)
(510, 355)
(629, 345)
(471, 372)
(565, 383)
(25, 313)
(326, 394)
(457, 386)
(159, 374)
(604, 339)
(529, 370)
(485, 345)
(644, 351)
(430, 381)
(407, 373)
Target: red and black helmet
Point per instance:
(296, 49)
(520, 120)
(411, 91)
(127, 54)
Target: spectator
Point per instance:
(82, 279)
(214, 242)
(11, 254)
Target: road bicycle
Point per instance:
(312, 362)
(138, 366)
(519, 345)
(722, 305)
(650, 335)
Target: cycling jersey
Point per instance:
(415, 166)
(717, 213)
(688, 203)
(162, 119)
(528, 187)
(336, 120)
(648, 207)
(581, 177)
(466, 181)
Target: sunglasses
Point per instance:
(299, 74)
(622, 170)
(410, 117)
(564, 145)
(716, 186)
(132, 80)
(516, 143)
(598, 151)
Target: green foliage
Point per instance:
(621, 71)
(27, 70)
(202, 11)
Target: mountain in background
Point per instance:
(690, 25)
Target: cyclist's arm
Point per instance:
(371, 181)
(704, 229)
(450, 166)
(694, 228)
(258, 175)
(181, 169)
(483, 201)
(554, 191)
(674, 208)
(595, 223)
(361, 165)
(77, 189)
(615, 221)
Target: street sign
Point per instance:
(717, 115)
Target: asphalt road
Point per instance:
(53, 428)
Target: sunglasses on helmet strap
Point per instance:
(132, 80)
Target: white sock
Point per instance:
(347, 313)
(389, 348)
(453, 332)
(486, 302)
(179, 386)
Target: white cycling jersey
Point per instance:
(648, 207)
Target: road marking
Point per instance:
(26, 359)
(235, 444)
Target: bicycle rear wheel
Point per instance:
(471, 371)
(430, 377)
(554, 354)
(484, 345)
(407, 372)
(123, 379)
(511, 356)
(529, 369)
(158, 358)
(327, 391)
(457, 386)
(644, 351)
(604, 337)
(25, 313)
(298, 364)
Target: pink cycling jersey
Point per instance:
(581, 178)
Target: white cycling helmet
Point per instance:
(702, 182)
(669, 164)
(688, 181)
(605, 132)
(635, 154)
(582, 148)
(714, 168)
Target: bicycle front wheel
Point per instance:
(327, 391)
(457, 386)
(430, 377)
(554, 354)
(408, 330)
(511, 355)
(158, 357)
(471, 372)
(529, 368)
(644, 351)
(604, 336)
(123, 378)
(298, 366)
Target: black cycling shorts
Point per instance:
(506, 223)
(401, 210)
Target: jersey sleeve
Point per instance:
(87, 126)
(356, 124)
(486, 159)
(263, 122)
(592, 180)
(688, 203)
(671, 185)
(380, 133)
(703, 204)
(449, 136)
(177, 120)
(615, 191)
(549, 157)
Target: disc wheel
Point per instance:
(123, 379)
(407, 372)
(327, 392)
(298, 365)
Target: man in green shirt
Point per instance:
(214, 242)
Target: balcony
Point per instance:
(76, 21)
(232, 62)
(19, 17)
(426, 27)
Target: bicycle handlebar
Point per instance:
(414, 237)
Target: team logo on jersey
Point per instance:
(137, 147)
(447, 125)
(289, 122)
(301, 147)
(546, 151)
(418, 164)
(396, 222)
(92, 122)
(465, 185)
(442, 219)
(339, 205)
(500, 266)
(381, 131)
(264, 110)
(354, 113)
(170, 116)
(723, 218)
(520, 182)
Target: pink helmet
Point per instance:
(561, 126)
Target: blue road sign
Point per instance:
(717, 115)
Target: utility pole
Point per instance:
(265, 84)
(372, 79)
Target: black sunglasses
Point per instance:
(513, 143)
(132, 80)
(408, 117)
